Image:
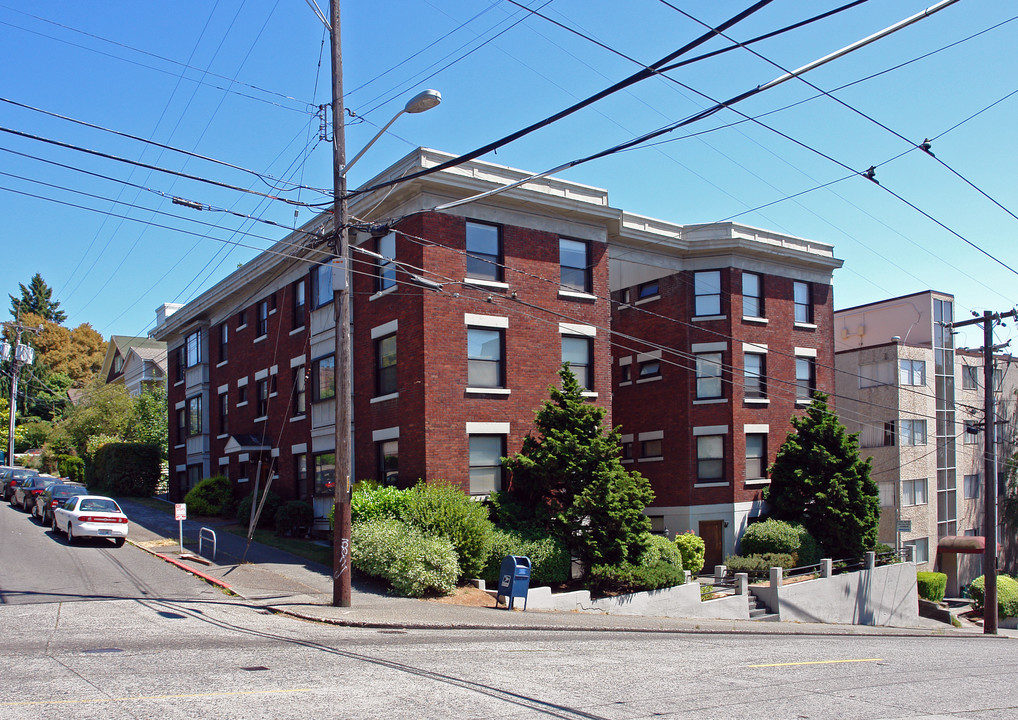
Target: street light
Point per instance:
(419, 103)
(341, 588)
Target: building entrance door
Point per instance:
(712, 533)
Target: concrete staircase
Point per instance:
(759, 611)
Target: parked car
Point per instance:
(30, 488)
(14, 477)
(51, 497)
(90, 516)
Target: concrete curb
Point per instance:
(197, 573)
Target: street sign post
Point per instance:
(180, 515)
(904, 526)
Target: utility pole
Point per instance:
(21, 355)
(989, 468)
(341, 588)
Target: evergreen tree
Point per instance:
(569, 479)
(36, 299)
(819, 481)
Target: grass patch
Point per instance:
(307, 549)
(155, 504)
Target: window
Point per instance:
(970, 377)
(802, 297)
(754, 384)
(914, 492)
(971, 487)
(911, 372)
(263, 318)
(224, 337)
(973, 429)
(299, 391)
(577, 352)
(574, 263)
(242, 395)
(194, 475)
(947, 503)
(385, 268)
(484, 251)
(648, 290)
(707, 291)
(224, 413)
(651, 448)
(805, 378)
(181, 362)
(875, 374)
(300, 474)
(118, 364)
(263, 397)
(710, 458)
(299, 305)
(756, 456)
(649, 369)
(486, 453)
(921, 549)
(181, 423)
(194, 415)
(889, 434)
(626, 373)
(752, 295)
(708, 375)
(385, 369)
(325, 474)
(484, 358)
(627, 450)
(388, 462)
(886, 494)
(323, 371)
(321, 284)
(193, 346)
(242, 319)
(912, 432)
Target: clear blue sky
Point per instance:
(240, 82)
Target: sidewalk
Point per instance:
(280, 582)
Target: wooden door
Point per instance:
(712, 533)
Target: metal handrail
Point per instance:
(210, 535)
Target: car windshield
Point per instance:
(98, 505)
(22, 474)
(67, 491)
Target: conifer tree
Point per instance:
(819, 480)
(36, 298)
(569, 479)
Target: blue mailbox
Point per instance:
(514, 579)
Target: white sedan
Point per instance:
(90, 516)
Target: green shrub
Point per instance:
(210, 497)
(549, 559)
(444, 509)
(1007, 594)
(71, 467)
(692, 549)
(779, 536)
(931, 585)
(294, 518)
(760, 564)
(627, 578)
(371, 502)
(125, 469)
(399, 553)
(268, 517)
(661, 549)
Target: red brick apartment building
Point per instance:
(446, 381)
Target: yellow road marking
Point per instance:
(151, 697)
(818, 662)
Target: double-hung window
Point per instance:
(578, 352)
(756, 456)
(708, 375)
(263, 318)
(321, 285)
(325, 474)
(224, 413)
(194, 420)
(970, 377)
(263, 397)
(224, 337)
(385, 268)
(754, 385)
(385, 368)
(912, 432)
(914, 492)
(299, 306)
(574, 263)
(911, 372)
(299, 391)
(484, 251)
(485, 351)
(752, 295)
(805, 378)
(971, 487)
(802, 296)
(710, 458)
(388, 461)
(486, 452)
(193, 345)
(707, 293)
(323, 372)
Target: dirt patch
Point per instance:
(467, 595)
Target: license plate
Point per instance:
(105, 531)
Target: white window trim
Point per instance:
(383, 398)
(626, 438)
(384, 329)
(383, 293)
(754, 349)
(757, 401)
(709, 347)
(651, 435)
(181, 405)
(758, 429)
(805, 352)
(299, 449)
(711, 484)
(710, 430)
(750, 318)
(389, 433)
(480, 282)
(261, 374)
(758, 481)
(576, 295)
(487, 428)
(626, 361)
(241, 382)
(260, 338)
(488, 391)
(223, 389)
(705, 318)
(297, 361)
(644, 380)
(297, 330)
(577, 329)
(495, 321)
(805, 326)
(224, 461)
(645, 356)
(711, 401)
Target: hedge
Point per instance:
(211, 497)
(372, 502)
(931, 585)
(760, 564)
(443, 509)
(549, 560)
(295, 518)
(781, 537)
(399, 553)
(1007, 594)
(660, 549)
(268, 517)
(125, 469)
(627, 578)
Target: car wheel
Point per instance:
(53, 524)
(70, 534)
(118, 542)
(35, 514)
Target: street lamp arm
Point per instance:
(417, 104)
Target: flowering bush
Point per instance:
(412, 563)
